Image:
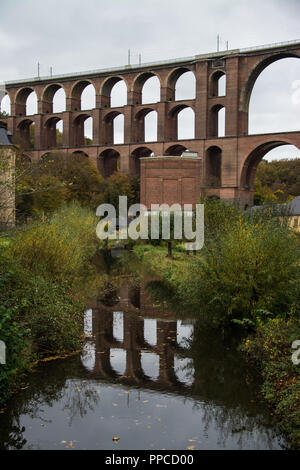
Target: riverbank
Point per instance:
(46, 276)
(269, 338)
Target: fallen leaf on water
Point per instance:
(192, 440)
(191, 448)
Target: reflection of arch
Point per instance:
(215, 83)
(25, 133)
(213, 166)
(253, 75)
(53, 137)
(138, 86)
(176, 150)
(252, 161)
(140, 152)
(79, 130)
(215, 121)
(108, 162)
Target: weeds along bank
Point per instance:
(247, 275)
(46, 275)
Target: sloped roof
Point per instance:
(4, 136)
(294, 206)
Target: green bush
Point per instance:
(270, 348)
(252, 271)
(61, 247)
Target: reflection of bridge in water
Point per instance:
(139, 346)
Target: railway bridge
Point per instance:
(227, 162)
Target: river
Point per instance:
(147, 378)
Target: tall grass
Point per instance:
(61, 247)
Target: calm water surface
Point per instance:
(146, 376)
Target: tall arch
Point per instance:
(5, 104)
(185, 86)
(140, 152)
(218, 83)
(172, 79)
(113, 134)
(80, 137)
(108, 162)
(26, 102)
(25, 134)
(54, 98)
(146, 131)
(146, 88)
(251, 162)
(111, 96)
(53, 132)
(213, 165)
(216, 121)
(274, 102)
(76, 94)
(255, 72)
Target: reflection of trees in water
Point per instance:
(223, 389)
(51, 383)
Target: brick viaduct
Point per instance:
(228, 163)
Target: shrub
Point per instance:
(270, 348)
(251, 272)
(60, 247)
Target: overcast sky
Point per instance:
(77, 35)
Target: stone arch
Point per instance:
(255, 72)
(76, 93)
(5, 103)
(138, 86)
(215, 83)
(175, 127)
(251, 162)
(106, 89)
(79, 138)
(140, 127)
(52, 136)
(172, 79)
(215, 121)
(109, 127)
(139, 152)
(80, 154)
(213, 166)
(48, 95)
(21, 100)
(108, 162)
(25, 133)
(175, 150)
